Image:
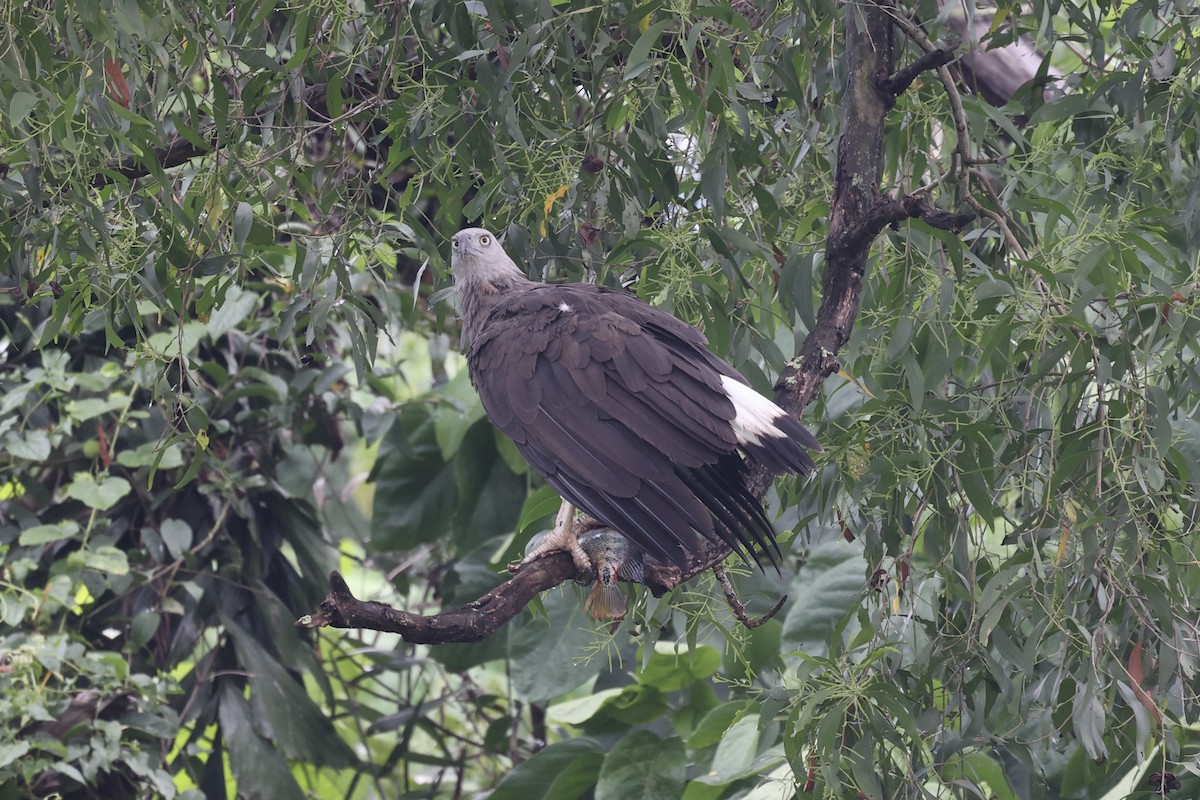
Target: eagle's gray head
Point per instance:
(476, 257)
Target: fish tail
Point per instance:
(606, 602)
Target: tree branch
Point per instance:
(179, 150)
(858, 214)
(897, 83)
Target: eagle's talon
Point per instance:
(565, 536)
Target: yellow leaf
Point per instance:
(13, 488)
(644, 24)
(549, 202)
(82, 598)
(1062, 546)
(998, 20)
(202, 438)
(846, 376)
(554, 197)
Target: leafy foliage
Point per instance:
(227, 370)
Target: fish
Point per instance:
(613, 558)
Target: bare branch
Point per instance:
(739, 610)
(472, 622)
(898, 82)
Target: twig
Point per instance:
(735, 604)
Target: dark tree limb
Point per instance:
(472, 622)
(896, 83)
(179, 150)
(176, 151)
(858, 214)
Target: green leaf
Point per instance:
(32, 445)
(143, 627)
(172, 456)
(106, 559)
(100, 494)
(236, 307)
(545, 653)
(581, 709)
(243, 219)
(736, 752)
(643, 766)
(1133, 778)
(176, 535)
(42, 534)
(827, 588)
(714, 724)
(182, 341)
(89, 407)
(639, 59)
(563, 770)
(19, 107)
(491, 494)
(416, 493)
(300, 730)
(983, 771)
(258, 767)
(542, 503)
(672, 667)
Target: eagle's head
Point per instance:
(476, 256)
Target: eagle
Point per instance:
(622, 409)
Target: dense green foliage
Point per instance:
(226, 374)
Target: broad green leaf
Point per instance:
(671, 668)
(562, 771)
(542, 503)
(416, 494)
(546, 653)
(236, 307)
(581, 709)
(176, 535)
(828, 586)
(32, 445)
(643, 766)
(256, 764)
(100, 494)
(106, 559)
(983, 771)
(736, 752)
(81, 410)
(716, 722)
(172, 456)
(43, 534)
(19, 106)
(300, 730)
(11, 751)
(777, 784)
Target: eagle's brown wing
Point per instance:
(622, 409)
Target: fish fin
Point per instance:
(606, 602)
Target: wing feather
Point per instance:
(621, 409)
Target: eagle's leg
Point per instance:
(565, 536)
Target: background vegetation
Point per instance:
(228, 367)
